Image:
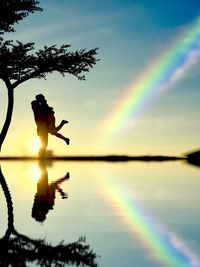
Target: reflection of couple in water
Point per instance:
(45, 121)
(46, 192)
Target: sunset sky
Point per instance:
(143, 95)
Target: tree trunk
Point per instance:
(4, 241)
(9, 204)
(7, 122)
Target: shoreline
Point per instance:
(109, 158)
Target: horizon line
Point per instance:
(112, 158)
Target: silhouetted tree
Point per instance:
(19, 250)
(20, 62)
(12, 11)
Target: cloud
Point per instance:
(192, 58)
(192, 258)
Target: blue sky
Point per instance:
(130, 36)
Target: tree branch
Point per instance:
(12, 11)
(19, 64)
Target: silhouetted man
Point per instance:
(45, 121)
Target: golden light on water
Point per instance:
(34, 144)
(34, 172)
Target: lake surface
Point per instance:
(131, 214)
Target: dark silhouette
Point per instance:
(93, 158)
(45, 196)
(193, 158)
(19, 62)
(20, 250)
(45, 121)
(12, 11)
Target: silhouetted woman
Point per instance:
(45, 121)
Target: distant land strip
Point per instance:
(109, 158)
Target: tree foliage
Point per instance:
(19, 62)
(17, 249)
(24, 251)
(12, 11)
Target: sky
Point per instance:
(142, 95)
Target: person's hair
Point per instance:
(39, 97)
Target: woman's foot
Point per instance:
(65, 195)
(67, 175)
(64, 122)
(67, 140)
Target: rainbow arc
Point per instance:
(161, 243)
(168, 68)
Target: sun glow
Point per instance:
(34, 172)
(34, 144)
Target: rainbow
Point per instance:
(162, 245)
(169, 67)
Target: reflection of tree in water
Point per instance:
(46, 193)
(20, 250)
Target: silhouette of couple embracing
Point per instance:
(45, 121)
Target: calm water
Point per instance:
(131, 214)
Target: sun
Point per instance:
(34, 172)
(34, 144)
